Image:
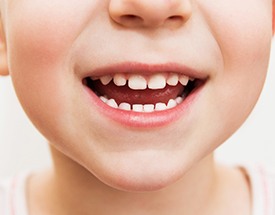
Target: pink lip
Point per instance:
(145, 120)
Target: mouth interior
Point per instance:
(147, 96)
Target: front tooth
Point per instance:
(119, 79)
(160, 106)
(138, 108)
(173, 79)
(172, 103)
(137, 82)
(124, 106)
(112, 103)
(148, 108)
(106, 79)
(183, 80)
(157, 81)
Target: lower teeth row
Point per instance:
(146, 108)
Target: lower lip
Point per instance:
(144, 120)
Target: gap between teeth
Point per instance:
(146, 108)
(140, 82)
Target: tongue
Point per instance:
(147, 96)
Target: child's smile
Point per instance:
(139, 88)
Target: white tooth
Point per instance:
(124, 106)
(148, 108)
(112, 103)
(157, 81)
(138, 108)
(172, 103)
(184, 80)
(104, 99)
(137, 82)
(119, 79)
(160, 106)
(94, 78)
(173, 79)
(106, 79)
(179, 100)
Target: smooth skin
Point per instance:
(47, 47)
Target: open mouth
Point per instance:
(143, 93)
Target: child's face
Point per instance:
(54, 46)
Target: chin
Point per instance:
(140, 174)
(140, 182)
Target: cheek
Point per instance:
(40, 38)
(43, 32)
(243, 35)
(241, 31)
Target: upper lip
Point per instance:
(146, 69)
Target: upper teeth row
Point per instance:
(140, 82)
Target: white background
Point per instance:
(22, 147)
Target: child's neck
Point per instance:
(71, 189)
